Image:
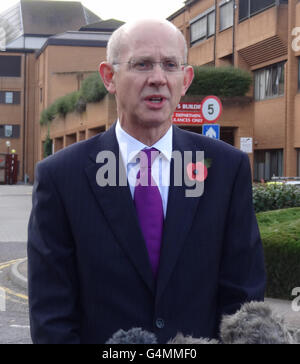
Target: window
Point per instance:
(211, 23)
(248, 8)
(10, 66)
(203, 27)
(268, 163)
(226, 15)
(8, 97)
(269, 82)
(9, 131)
(198, 30)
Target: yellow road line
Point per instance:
(8, 298)
(7, 264)
(9, 291)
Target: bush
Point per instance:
(67, 103)
(267, 197)
(48, 114)
(92, 90)
(220, 81)
(280, 232)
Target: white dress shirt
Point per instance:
(130, 149)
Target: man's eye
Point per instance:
(142, 65)
(170, 65)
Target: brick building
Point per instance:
(256, 36)
(50, 61)
(47, 49)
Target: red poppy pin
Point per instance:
(199, 171)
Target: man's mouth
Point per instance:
(156, 100)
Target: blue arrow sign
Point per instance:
(211, 130)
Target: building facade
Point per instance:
(47, 48)
(260, 37)
(45, 60)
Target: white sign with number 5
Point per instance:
(211, 109)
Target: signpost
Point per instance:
(208, 111)
(211, 109)
(188, 113)
(211, 131)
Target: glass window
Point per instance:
(248, 8)
(226, 15)
(9, 97)
(198, 29)
(259, 5)
(8, 131)
(203, 27)
(268, 163)
(10, 66)
(211, 23)
(268, 78)
(269, 82)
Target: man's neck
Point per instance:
(148, 136)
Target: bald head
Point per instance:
(121, 38)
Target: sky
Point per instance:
(125, 10)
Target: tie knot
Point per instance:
(147, 157)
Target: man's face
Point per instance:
(149, 98)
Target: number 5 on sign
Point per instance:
(211, 109)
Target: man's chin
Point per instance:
(155, 122)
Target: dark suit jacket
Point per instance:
(89, 272)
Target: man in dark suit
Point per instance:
(105, 256)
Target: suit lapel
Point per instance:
(118, 207)
(180, 214)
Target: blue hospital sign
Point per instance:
(211, 131)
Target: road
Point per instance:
(15, 206)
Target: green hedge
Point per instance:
(220, 81)
(267, 197)
(280, 232)
(92, 90)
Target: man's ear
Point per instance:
(188, 79)
(106, 71)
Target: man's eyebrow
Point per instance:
(151, 58)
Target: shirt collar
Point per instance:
(130, 147)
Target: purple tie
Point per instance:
(149, 207)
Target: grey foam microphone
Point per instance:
(133, 336)
(255, 323)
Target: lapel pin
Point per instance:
(198, 171)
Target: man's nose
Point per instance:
(157, 76)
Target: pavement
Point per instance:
(16, 229)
